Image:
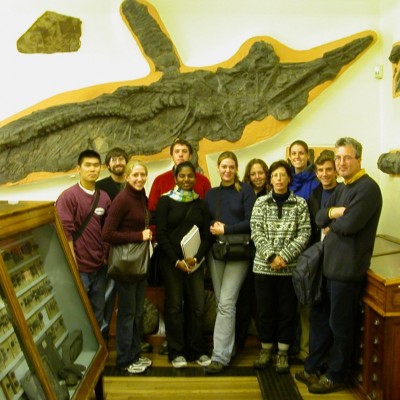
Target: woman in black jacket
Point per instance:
(177, 212)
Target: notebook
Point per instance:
(190, 244)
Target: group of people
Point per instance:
(285, 208)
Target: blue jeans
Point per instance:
(332, 329)
(227, 278)
(129, 316)
(94, 284)
(183, 312)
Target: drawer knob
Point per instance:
(375, 359)
(360, 361)
(376, 340)
(374, 377)
(377, 322)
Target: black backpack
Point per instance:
(307, 276)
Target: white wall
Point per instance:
(207, 32)
(390, 121)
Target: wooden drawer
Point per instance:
(378, 367)
(386, 299)
(382, 288)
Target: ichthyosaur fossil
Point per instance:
(194, 104)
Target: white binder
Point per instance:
(190, 244)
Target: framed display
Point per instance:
(50, 344)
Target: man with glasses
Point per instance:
(349, 221)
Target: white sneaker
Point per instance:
(146, 362)
(204, 360)
(179, 362)
(135, 368)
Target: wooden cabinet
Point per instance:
(50, 344)
(379, 364)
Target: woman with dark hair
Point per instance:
(127, 222)
(230, 205)
(304, 179)
(177, 212)
(256, 175)
(280, 229)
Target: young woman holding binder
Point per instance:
(177, 212)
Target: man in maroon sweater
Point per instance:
(88, 249)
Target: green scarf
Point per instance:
(181, 195)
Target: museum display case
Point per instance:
(50, 345)
(377, 370)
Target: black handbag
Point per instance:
(233, 247)
(307, 276)
(129, 262)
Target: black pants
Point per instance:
(277, 307)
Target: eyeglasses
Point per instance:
(344, 158)
(117, 159)
(279, 175)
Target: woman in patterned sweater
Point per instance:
(280, 229)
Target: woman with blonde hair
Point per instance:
(230, 206)
(127, 221)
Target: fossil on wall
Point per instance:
(389, 163)
(51, 33)
(217, 103)
(394, 58)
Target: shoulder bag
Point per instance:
(232, 246)
(80, 230)
(307, 276)
(129, 262)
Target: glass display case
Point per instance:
(50, 344)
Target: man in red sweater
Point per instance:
(180, 150)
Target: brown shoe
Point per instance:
(214, 368)
(306, 378)
(263, 360)
(282, 363)
(325, 385)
